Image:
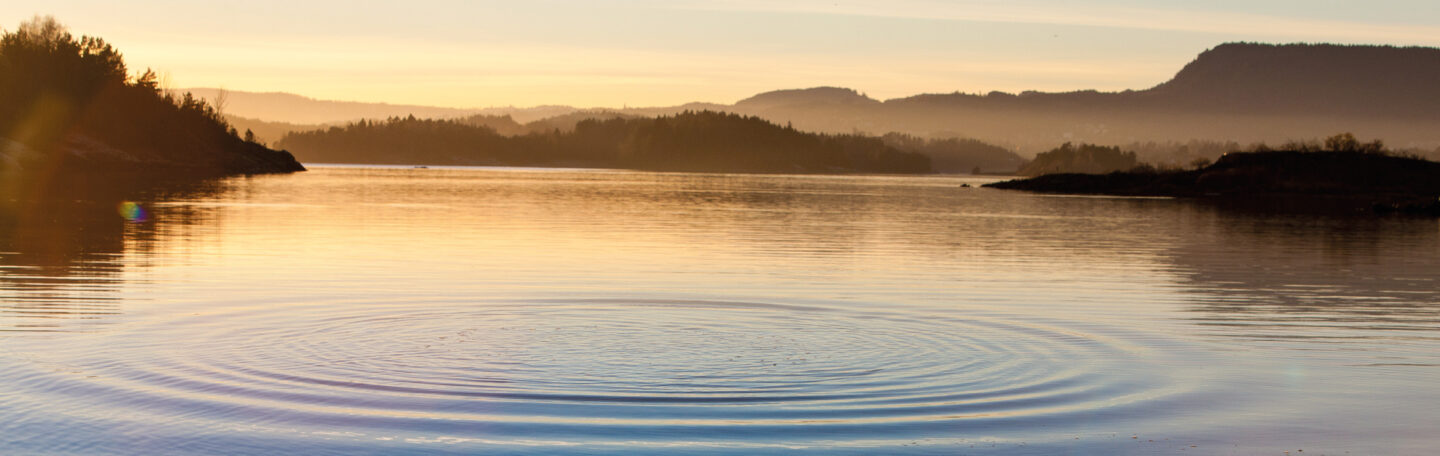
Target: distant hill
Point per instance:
(291, 108)
(1236, 92)
(818, 97)
(1316, 78)
(504, 124)
(958, 156)
(565, 123)
(1241, 92)
(267, 131)
(297, 109)
(691, 141)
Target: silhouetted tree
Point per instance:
(1177, 154)
(149, 81)
(1346, 142)
(1085, 158)
(222, 97)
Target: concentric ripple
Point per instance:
(579, 367)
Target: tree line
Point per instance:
(1083, 158)
(1172, 156)
(704, 141)
(958, 155)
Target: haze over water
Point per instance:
(371, 310)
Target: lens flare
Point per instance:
(132, 211)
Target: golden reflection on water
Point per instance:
(505, 298)
(617, 231)
(58, 262)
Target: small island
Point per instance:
(70, 110)
(1350, 175)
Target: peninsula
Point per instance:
(1351, 176)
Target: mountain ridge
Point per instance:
(1248, 74)
(1246, 92)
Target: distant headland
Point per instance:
(1353, 176)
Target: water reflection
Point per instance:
(65, 247)
(1298, 277)
(398, 310)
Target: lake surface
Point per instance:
(352, 310)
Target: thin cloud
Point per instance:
(1213, 22)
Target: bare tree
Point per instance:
(1344, 142)
(164, 83)
(221, 97)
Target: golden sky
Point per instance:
(650, 53)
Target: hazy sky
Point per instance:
(650, 52)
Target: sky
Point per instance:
(618, 53)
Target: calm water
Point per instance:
(370, 310)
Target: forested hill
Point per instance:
(818, 96)
(690, 141)
(1382, 80)
(1243, 92)
(1251, 77)
(69, 105)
